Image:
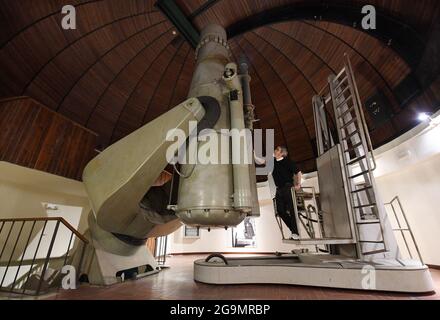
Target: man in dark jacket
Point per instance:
(286, 175)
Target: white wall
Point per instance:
(418, 187)
(219, 240)
(408, 167)
(269, 237)
(25, 193)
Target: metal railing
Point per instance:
(32, 254)
(403, 227)
(160, 250)
(309, 220)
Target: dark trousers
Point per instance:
(285, 209)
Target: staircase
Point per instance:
(33, 252)
(358, 159)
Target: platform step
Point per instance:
(357, 145)
(351, 135)
(363, 189)
(345, 101)
(342, 92)
(358, 175)
(319, 241)
(341, 82)
(371, 241)
(368, 253)
(356, 160)
(365, 206)
(352, 121)
(376, 221)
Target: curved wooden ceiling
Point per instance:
(124, 65)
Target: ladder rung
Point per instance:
(363, 189)
(401, 230)
(342, 92)
(346, 112)
(358, 175)
(338, 104)
(341, 82)
(348, 123)
(374, 252)
(370, 241)
(365, 206)
(367, 216)
(351, 135)
(357, 145)
(377, 221)
(340, 73)
(356, 160)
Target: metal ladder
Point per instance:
(357, 157)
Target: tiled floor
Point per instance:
(177, 283)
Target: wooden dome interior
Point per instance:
(127, 63)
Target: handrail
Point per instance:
(61, 219)
(361, 112)
(403, 229)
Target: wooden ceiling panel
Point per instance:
(419, 14)
(163, 93)
(183, 83)
(381, 57)
(104, 124)
(123, 66)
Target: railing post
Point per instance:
(410, 230)
(35, 256)
(22, 257)
(12, 253)
(49, 251)
(165, 250)
(7, 239)
(1, 228)
(68, 249)
(83, 250)
(401, 229)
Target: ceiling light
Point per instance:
(424, 116)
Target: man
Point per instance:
(285, 175)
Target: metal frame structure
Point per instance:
(354, 219)
(357, 163)
(357, 151)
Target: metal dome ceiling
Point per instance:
(125, 64)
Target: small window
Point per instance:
(191, 232)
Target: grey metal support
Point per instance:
(357, 157)
(324, 139)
